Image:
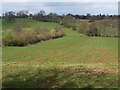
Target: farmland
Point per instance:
(73, 61)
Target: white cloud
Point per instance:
(32, 7)
(60, 1)
(63, 7)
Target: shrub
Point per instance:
(25, 36)
(57, 32)
(107, 27)
(93, 30)
(43, 33)
(54, 34)
(103, 28)
(69, 21)
(19, 36)
(60, 31)
(47, 35)
(7, 38)
(83, 27)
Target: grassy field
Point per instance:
(74, 61)
(29, 23)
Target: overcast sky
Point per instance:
(79, 7)
(60, 0)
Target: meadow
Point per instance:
(73, 61)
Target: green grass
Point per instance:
(72, 61)
(30, 23)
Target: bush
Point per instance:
(93, 30)
(25, 36)
(57, 32)
(7, 38)
(107, 27)
(43, 33)
(69, 22)
(19, 36)
(60, 31)
(104, 28)
(83, 27)
(54, 34)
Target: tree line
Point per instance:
(90, 25)
(52, 17)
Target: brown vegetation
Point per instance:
(22, 36)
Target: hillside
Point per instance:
(28, 22)
(72, 61)
(34, 23)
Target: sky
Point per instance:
(80, 7)
(59, 0)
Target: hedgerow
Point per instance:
(23, 36)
